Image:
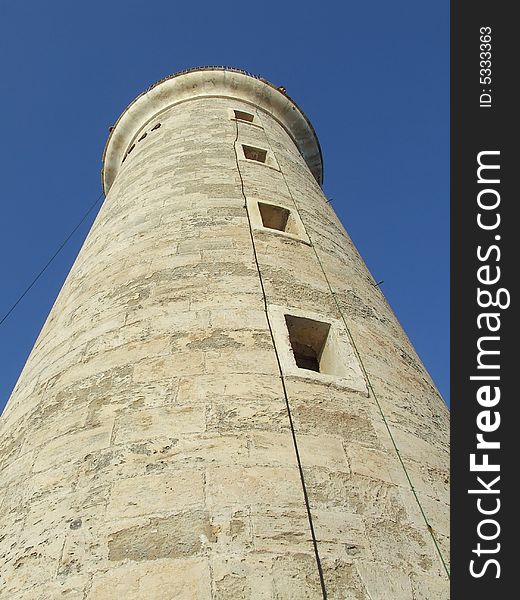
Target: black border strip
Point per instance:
(483, 124)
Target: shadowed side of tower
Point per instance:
(221, 404)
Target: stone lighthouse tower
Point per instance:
(221, 404)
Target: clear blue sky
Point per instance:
(373, 77)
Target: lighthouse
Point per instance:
(221, 404)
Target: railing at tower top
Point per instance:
(210, 68)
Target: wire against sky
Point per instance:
(49, 262)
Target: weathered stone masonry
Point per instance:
(162, 442)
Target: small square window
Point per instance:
(308, 339)
(243, 116)
(253, 153)
(315, 347)
(274, 217)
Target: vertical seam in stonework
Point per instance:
(333, 294)
(282, 379)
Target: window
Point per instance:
(315, 347)
(274, 217)
(253, 153)
(308, 339)
(243, 116)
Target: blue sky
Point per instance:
(373, 77)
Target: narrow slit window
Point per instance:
(253, 153)
(308, 339)
(274, 217)
(243, 116)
